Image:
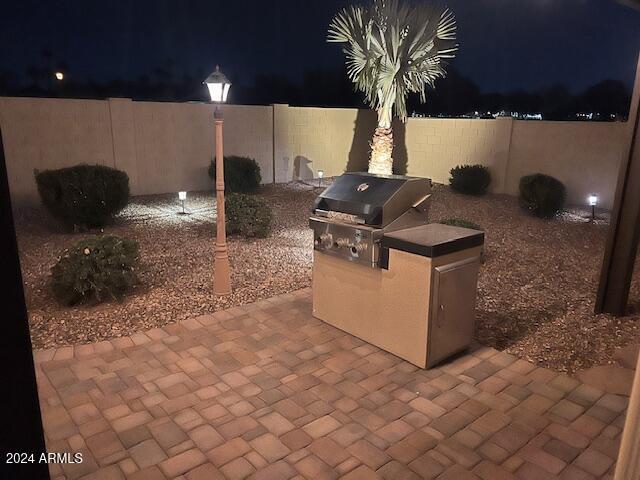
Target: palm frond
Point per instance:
(394, 48)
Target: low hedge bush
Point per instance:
(248, 215)
(461, 222)
(241, 174)
(95, 269)
(542, 195)
(83, 195)
(470, 179)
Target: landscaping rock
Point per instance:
(627, 356)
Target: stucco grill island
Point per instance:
(383, 273)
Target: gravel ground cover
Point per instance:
(537, 287)
(535, 296)
(177, 265)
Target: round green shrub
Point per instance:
(542, 195)
(83, 195)
(461, 222)
(248, 215)
(241, 174)
(470, 179)
(96, 269)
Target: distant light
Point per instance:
(320, 173)
(59, 75)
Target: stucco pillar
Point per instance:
(628, 465)
(635, 100)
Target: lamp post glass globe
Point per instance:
(59, 75)
(218, 85)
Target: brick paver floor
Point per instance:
(266, 391)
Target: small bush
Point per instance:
(470, 179)
(241, 174)
(461, 222)
(84, 195)
(542, 195)
(248, 215)
(96, 269)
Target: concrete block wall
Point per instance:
(166, 147)
(585, 156)
(51, 133)
(309, 139)
(436, 145)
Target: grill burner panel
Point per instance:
(351, 216)
(359, 244)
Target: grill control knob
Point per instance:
(326, 240)
(343, 242)
(359, 247)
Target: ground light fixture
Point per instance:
(182, 196)
(320, 177)
(593, 201)
(219, 85)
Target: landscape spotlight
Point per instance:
(182, 196)
(59, 75)
(320, 176)
(593, 201)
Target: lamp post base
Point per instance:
(221, 274)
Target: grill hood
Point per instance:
(375, 200)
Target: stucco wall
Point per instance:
(436, 145)
(51, 133)
(166, 147)
(309, 139)
(584, 156)
(337, 139)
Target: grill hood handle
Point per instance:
(423, 204)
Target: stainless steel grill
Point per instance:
(351, 216)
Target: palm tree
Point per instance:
(393, 49)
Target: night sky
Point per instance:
(504, 44)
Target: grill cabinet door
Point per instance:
(452, 316)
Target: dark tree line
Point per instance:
(454, 96)
(457, 95)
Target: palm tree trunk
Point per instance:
(381, 149)
(381, 161)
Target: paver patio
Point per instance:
(266, 391)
